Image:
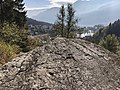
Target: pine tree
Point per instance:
(13, 11)
(1, 12)
(8, 6)
(59, 26)
(71, 21)
(66, 25)
(62, 19)
(20, 14)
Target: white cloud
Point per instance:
(35, 8)
(58, 3)
(67, 1)
(85, 0)
(52, 3)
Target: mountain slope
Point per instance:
(105, 14)
(34, 12)
(31, 21)
(63, 65)
(89, 12)
(85, 6)
(48, 15)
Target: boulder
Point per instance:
(63, 64)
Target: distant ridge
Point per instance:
(90, 13)
(31, 21)
(49, 15)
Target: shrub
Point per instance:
(32, 43)
(111, 43)
(13, 41)
(10, 33)
(14, 36)
(7, 52)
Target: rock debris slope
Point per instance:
(63, 65)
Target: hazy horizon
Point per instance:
(88, 11)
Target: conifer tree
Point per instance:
(20, 14)
(66, 23)
(8, 6)
(12, 11)
(71, 21)
(59, 26)
(1, 12)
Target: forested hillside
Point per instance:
(112, 28)
(31, 21)
(109, 37)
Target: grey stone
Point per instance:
(63, 64)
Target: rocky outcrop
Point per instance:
(63, 65)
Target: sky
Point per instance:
(43, 4)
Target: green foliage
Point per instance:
(31, 44)
(98, 36)
(72, 35)
(114, 28)
(37, 41)
(7, 52)
(12, 34)
(111, 43)
(70, 21)
(59, 25)
(57, 29)
(13, 11)
(13, 37)
(65, 26)
(111, 29)
(13, 41)
(108, 37)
